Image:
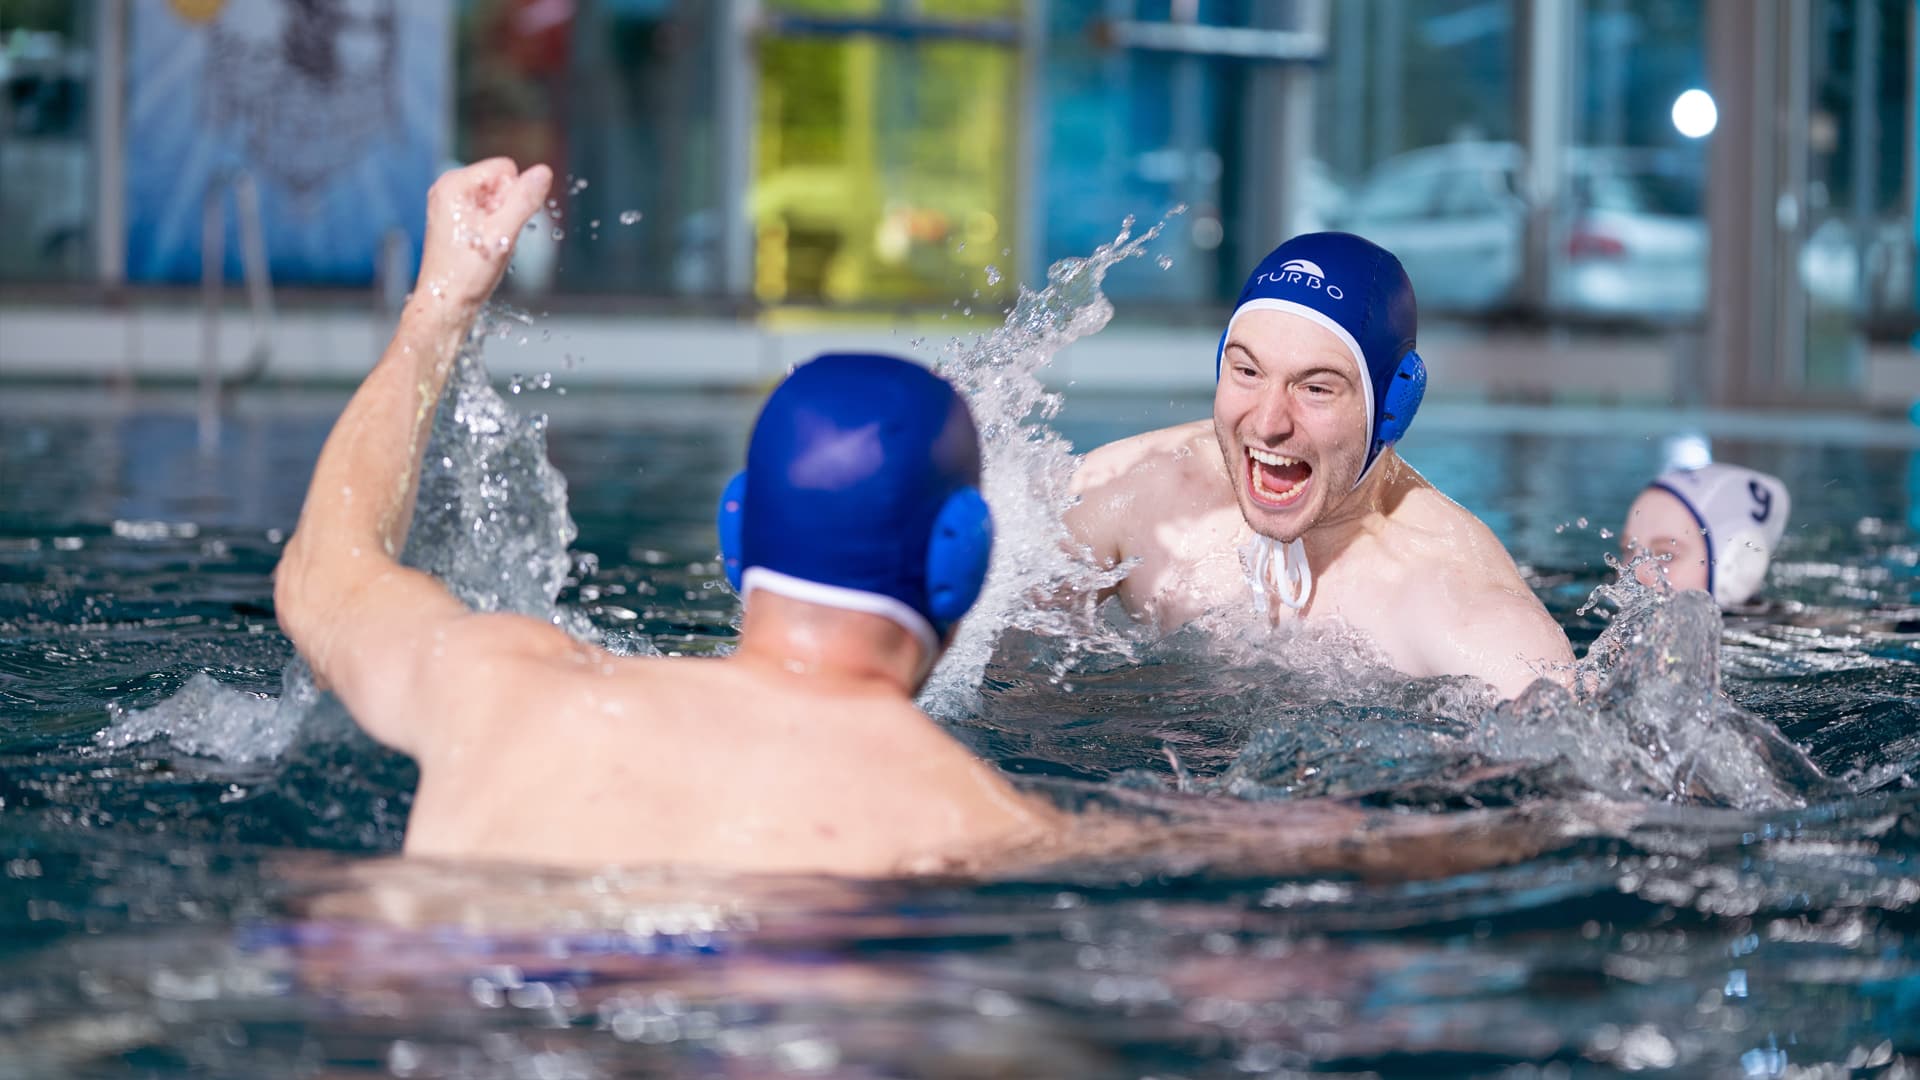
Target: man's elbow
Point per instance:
(295, 604)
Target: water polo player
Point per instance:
(1712, 528)
(859, 537)
(1292, 500)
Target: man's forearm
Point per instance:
(360, 503)
(363, 485)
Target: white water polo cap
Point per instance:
(1742, 513)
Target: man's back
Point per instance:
(574, 756)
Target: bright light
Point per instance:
(1694, 114)
(1688, 451)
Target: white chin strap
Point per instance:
(1278, 571)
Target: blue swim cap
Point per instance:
(1356, 289)
(862, 492)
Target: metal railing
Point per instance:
(214, 382)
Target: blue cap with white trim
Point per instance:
(861, 492)
(1357, 290)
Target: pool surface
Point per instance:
(1704, 863)
(216, 900)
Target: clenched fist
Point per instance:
(474, 216)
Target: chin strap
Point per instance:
(1279, 571)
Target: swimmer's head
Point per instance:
(862, 493)
(1713, 528)
(1317, 377)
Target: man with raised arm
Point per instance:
(862, 537)
(857, 537)
(1291, 502)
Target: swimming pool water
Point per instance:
(177, 908)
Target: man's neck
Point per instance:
(845, 651)
(1360, 512)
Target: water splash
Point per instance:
(1037, 583)
(1646, 719)
(490, 521)
(207, 719)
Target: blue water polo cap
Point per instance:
(1358, 290)
(862, 492)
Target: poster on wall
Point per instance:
(336, 109)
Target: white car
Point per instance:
(1633, 240)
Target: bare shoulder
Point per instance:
(1459, 560)
(1152, 470)
(487, 663)
(1152, 456)
(1461, 577)
(1445, 538)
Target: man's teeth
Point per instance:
(1260, 487)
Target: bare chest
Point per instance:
(1198, 570)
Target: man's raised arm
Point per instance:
(364, 622)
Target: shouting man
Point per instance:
(1291, 501)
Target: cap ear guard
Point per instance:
(730, 522)
(958, 549)
(958, 553)
(1402, 399)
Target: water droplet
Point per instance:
(1580, 522)
(594, 224)
(559, 233)
(993, 275)
(579, 186)
(1164, 262)
(628, 217)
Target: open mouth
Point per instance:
(1276, 480)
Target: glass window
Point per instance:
(1134, 130)
(1630, 229)
(618, 97)
(1403, 193)
(1857, 255)
(883, 165)
(1417, 121)
(1475, 193)
(46, 140)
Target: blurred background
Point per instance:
(1692, 202)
